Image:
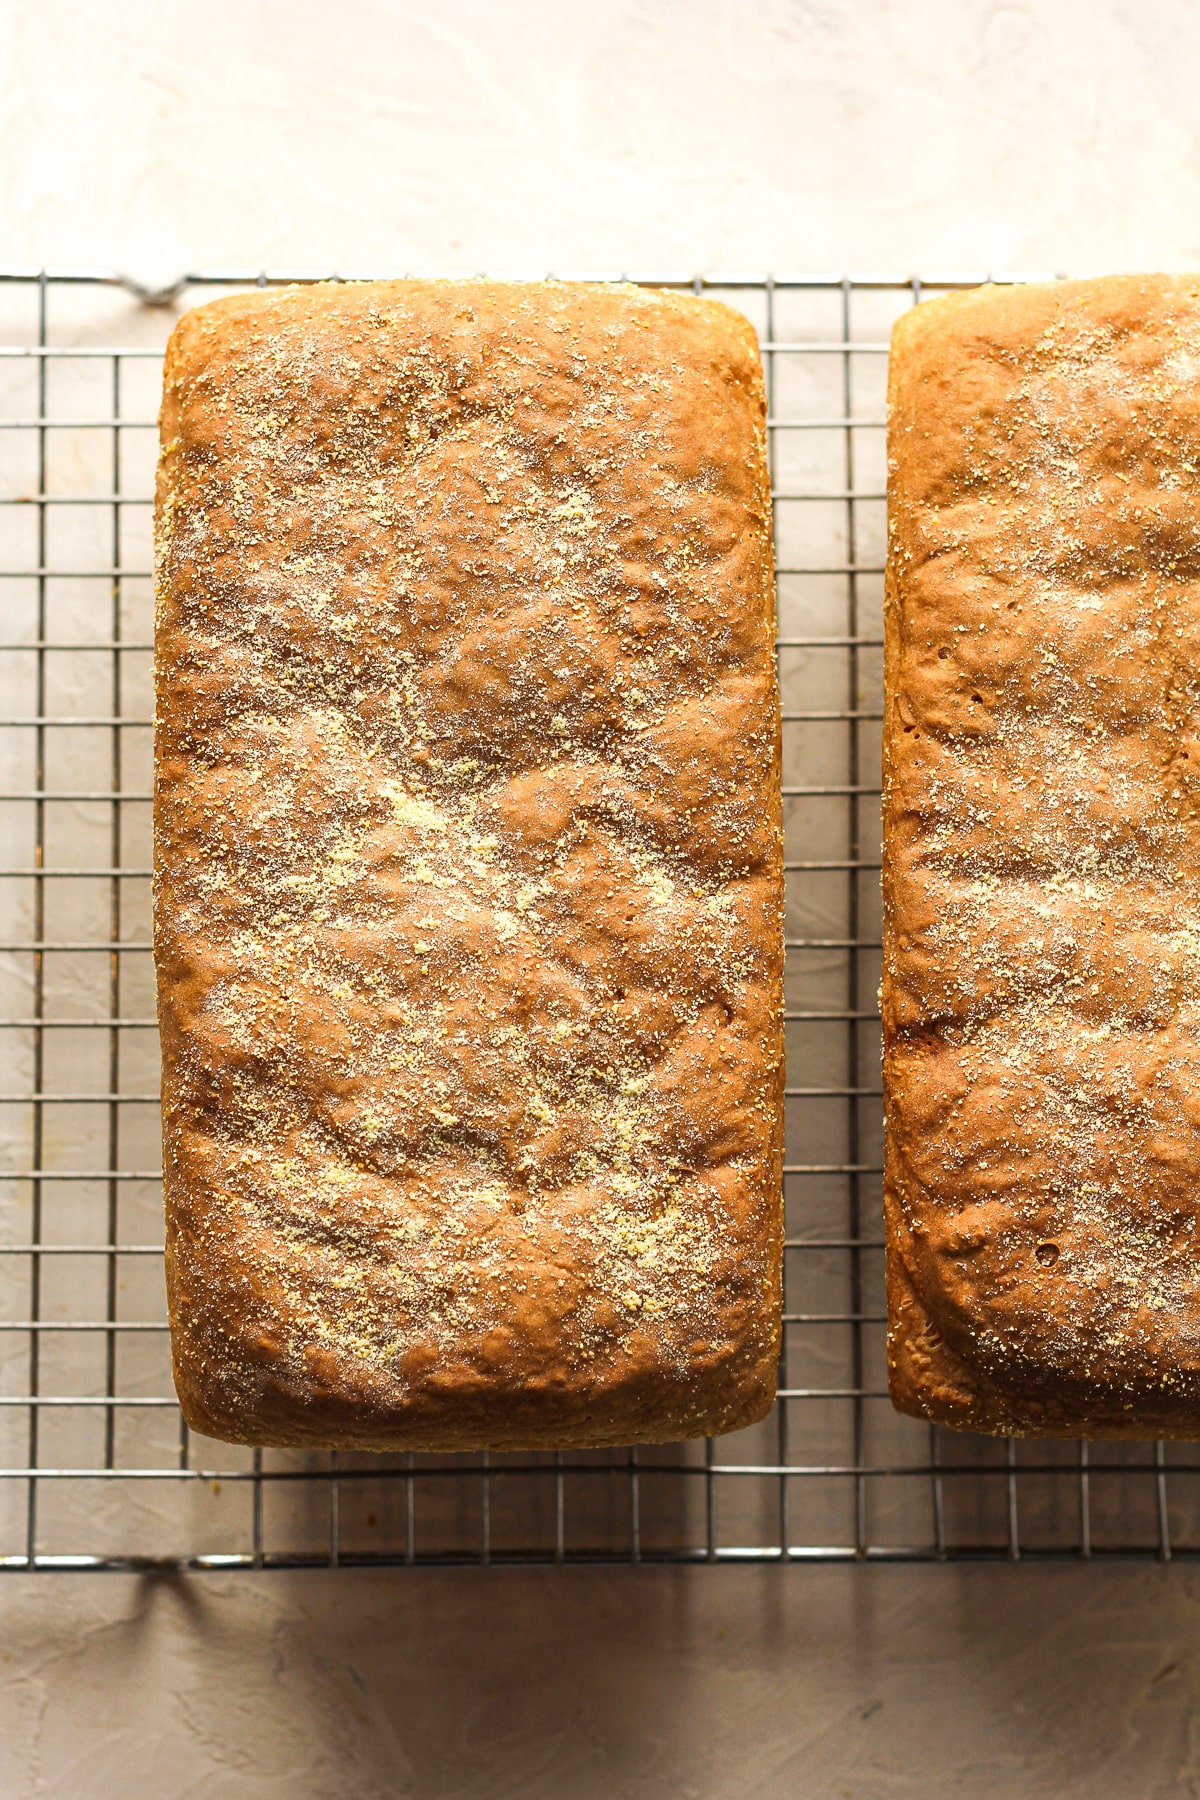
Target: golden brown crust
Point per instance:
(468, 899)
(1041, 989)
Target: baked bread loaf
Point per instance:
(468, 867)
(1041, 988)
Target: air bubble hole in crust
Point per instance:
(1047, 1254)
(943, 653)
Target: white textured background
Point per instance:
(800, 134)
(930, 135)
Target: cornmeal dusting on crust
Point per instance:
(1041, 988)
(468, 867)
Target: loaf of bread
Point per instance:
(1041, 988)
(468, 867)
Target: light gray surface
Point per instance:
(873, 1683)
(550, 133)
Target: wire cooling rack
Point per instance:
(97, 1469)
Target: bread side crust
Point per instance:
(468, 868)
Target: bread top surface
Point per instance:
(468, 865)
(1041, 988)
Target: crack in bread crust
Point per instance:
(468, 867)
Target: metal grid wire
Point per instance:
(97, 1469)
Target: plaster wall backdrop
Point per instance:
(834, 1684)
(153, 135)
(809, 134)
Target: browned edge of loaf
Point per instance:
(947, 355)
(543, 1402)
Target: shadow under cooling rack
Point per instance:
(96, 1467)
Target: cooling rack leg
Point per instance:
(938, 1497)
(1160, 1489)
(1085, 1503)
(1010, 1490)
(559, 1509)
(335, 1513)
(257, 1504)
